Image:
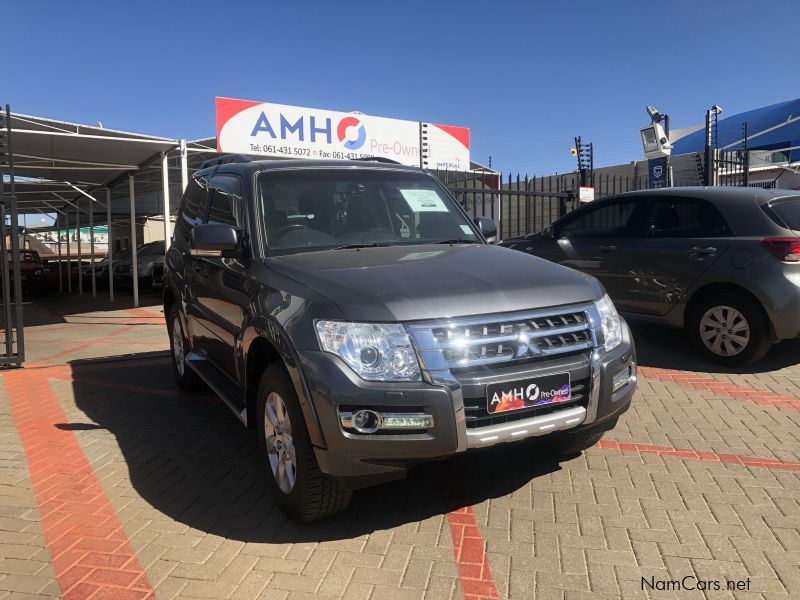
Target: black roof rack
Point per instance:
(227, 159)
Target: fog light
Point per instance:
(407, 421)
(366, 421)
(624, 377)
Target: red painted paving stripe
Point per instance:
(724, 388)
(143, 313)
(88, 344)
(470, 554)
(734, 459)
(103, 365)
(149, 343)
(90, 552)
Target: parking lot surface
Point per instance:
(115, 484)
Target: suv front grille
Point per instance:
(497, 339)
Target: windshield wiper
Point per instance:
(458, 241)
(366, 245)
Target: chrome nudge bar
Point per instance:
(461, 343)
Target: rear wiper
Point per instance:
(458, 241)
(369, 245)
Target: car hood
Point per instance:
(406, 283)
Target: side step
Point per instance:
(220, 384)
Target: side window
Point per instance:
(193, 204)
(684, 217)
(225, 204)
(602, 221)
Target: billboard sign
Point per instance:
(283, 131)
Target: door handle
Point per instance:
(706, 251)
(608, 249)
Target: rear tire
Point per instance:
(185, 377)
(730, 329)
(303, 491)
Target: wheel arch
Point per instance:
(262, 346)
(169, 300)
(723, 288)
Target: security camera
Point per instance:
(654, 115)
(655, 142)
(716, 109)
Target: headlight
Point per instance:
(609, 319)
(375, 352)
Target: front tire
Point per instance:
(303, 491)
(730, 329)
(179, 347)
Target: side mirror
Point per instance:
(213, 239)
(487, 228)
(547, 233)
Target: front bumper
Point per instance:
(335, 388)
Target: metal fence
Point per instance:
(523, 205)
(519, 205)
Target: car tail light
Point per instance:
(785, 249)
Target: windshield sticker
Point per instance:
(424, 200)
(467, 229)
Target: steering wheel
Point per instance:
(287, 228)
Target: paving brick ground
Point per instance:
(114, 484)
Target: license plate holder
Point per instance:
(531, 392)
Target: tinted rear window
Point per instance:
(788, 212)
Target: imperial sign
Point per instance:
(279, 130)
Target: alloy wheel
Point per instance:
(280, 444)
(724, 331)
(177, 345)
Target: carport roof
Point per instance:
(51, 156)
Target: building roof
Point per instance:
(774, 127)
(55, 159)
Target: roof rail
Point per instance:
(378, 159)
(226, 159)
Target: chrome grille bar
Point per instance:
(495, 339)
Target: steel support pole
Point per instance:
(91, 247)
(134, 261)
(80, 256)
(165, 194)
(59, 220)
(184, 166)
(110, 249)
(6, 256)
(69, 257)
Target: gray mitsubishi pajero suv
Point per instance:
(356, 317)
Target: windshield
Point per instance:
(331, 208)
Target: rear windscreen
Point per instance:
(788, 212)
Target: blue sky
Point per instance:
(525, 77)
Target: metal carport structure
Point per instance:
(90, 175)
